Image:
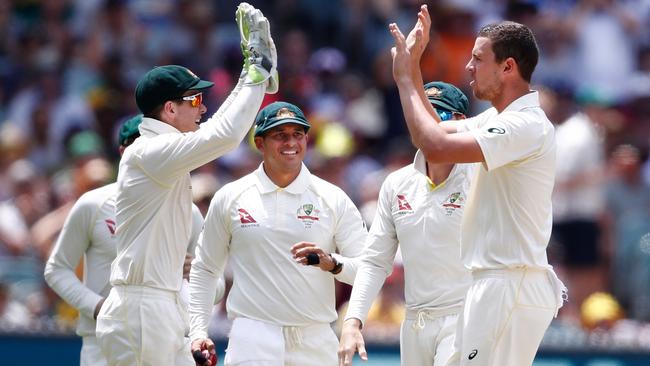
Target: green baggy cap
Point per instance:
(164, 83)
(129, 130)
(446, 96)
(279, 113)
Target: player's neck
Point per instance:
(281, 178)
(509, 94)
(438, 173)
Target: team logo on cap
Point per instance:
(433, 92)
(285, 113)
(453, 202)
(308, 214)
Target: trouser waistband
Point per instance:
(519, 273)
(146, 290)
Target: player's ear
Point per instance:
(509, 65)
(259, 143)
(168, 111)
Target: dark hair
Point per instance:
(511, 39)
(154, 113)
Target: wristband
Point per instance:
(338, 266)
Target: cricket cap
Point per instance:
(279, 113)
(129, 130)
(163, 83)
(446, 96)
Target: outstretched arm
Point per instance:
(437, 145)
(416, 42)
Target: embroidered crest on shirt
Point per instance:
(111, 225)
(453, 202)
(403, 206)
(245, 218)
(308, 214)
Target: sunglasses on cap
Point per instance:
(194, 99)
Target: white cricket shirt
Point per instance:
(508, 219)
(424, 221)
(89, 231)
(155, 194)
(254, 223)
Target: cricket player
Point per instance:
(507, 221)
(420, 208)
(272, 224)
(142, 322)
(89, 232)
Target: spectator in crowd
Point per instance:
(628, 199)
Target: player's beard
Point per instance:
(487, 91)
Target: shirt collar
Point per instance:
(298, 186)
(420, 163)
(154, 127)
(525, 101)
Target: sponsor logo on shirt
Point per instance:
(497, 130)
(453, 202)
(246, 219)
(308, 214)
(403, 206)
(111, 225)
(472, 354)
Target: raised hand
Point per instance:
(258, 48)
(418, 38)
(401, 56)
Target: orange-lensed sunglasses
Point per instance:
(194, 99)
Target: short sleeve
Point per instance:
(508, 138)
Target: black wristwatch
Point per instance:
(338, 266)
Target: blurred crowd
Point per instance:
(68, 69)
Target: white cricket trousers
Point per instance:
(143, 326)
(505, 316)
(427, 337)
(91, 353)
(255, 343)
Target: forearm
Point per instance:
(366, 287)
(203, 287)
(350, 267)
(416, 76)
(235, 116)
(66, 284)
(425, 133)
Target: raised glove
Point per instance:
(258, 48)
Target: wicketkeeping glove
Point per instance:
(258, 48)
